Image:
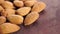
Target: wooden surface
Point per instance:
(48, 23)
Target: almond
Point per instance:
(23, 11)
(7, 4)
(1, 1)
(18, 3)
(27, 0)
(1, 8)
(38, 7)
(31, 18)
(8, 12)
(2, 20)
(15, 19)
(9, 28)
(29, 3)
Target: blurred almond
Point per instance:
(7, 4)
(23, 11)
(9, 28)
(1, 8)
(31, 18)
(15, 19)
(18, 3)
(27, 0)
(38, 7)
(8, 12)
(2, 20)
(29, 3)
(1, 1)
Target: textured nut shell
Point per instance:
(7, 4)
(15, 19)
(29, 3)
(31, 18)
(8, 12)
(38, 7)
(2, 20)
(19, 3)
(23, 11)
(9, 28)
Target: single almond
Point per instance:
(23, 11)
(18, 3)
(9, 28)
(31, 18)
(7, 4)
(15, 19)
(29, 3)
(38, 7)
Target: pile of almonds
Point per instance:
(18, 12)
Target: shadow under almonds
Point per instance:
(43, 12)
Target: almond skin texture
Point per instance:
(1, 1)
(27, 0)
(15, 19)
(29, 3)
(1, 8)
(4, 33)
(31, 18)
(8, 12)
(38, 7)
(2, 20)
(18, 3)
(9, 28)
(4, 13)
(0, 30)
(7, 5)
(23, 11)
(16, 0)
